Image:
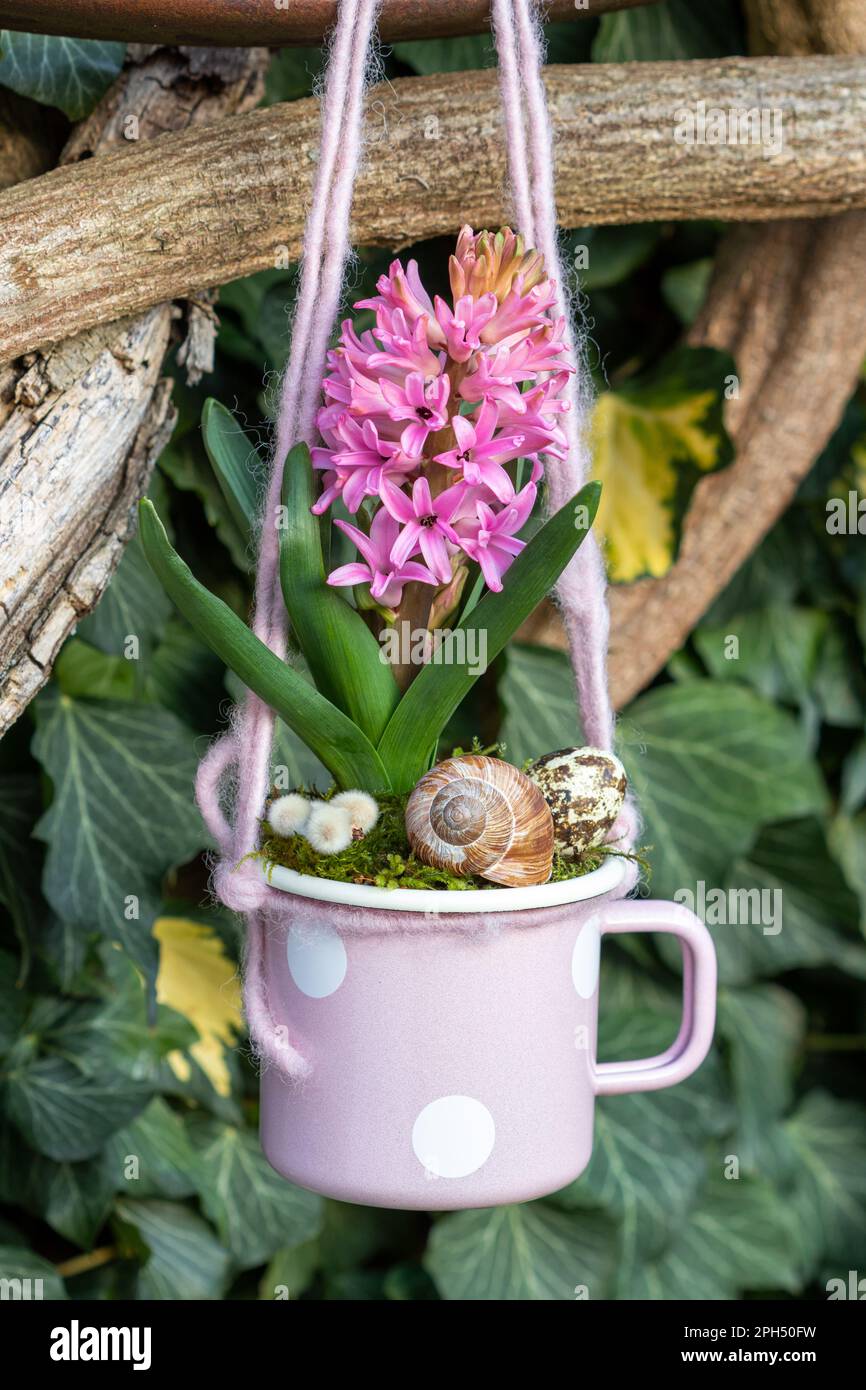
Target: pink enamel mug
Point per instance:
(451, 1037)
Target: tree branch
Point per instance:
(88, 244)
(82, 425)
(788, 300)
(262, 21)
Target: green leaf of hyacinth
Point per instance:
(230, 453)
(344, 658)
(438, 689)
(342, 747)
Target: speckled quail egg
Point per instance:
(585, 789)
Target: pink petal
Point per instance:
(464, 433)
(350, 574)
(358, 539)
(420, 573)
(397, 502)
(435, 552)
(421, 498)
(406, 543)
(490, 570)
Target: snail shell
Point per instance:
(477, 815)
(585, 789)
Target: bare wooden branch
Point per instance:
(806, 26)
(262, 21)
(89, 244)
(798, 340)
(789, 301)
(82, 425)
(81, 432)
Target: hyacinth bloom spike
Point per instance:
(436, 388)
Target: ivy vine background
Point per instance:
(129, 1158)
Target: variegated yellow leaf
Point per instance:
(652, 440)
(197, 979)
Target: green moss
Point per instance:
(384, 859)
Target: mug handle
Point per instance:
(699, 997)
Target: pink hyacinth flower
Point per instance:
(426, 523)
(489, 537)
(424, 404)
(480, 452)
(385, 578)
(464, 325)
(402, 289)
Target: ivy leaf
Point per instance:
(121, 1031)
(807, 914)
(165, 1160)
(198, 980)
(18, 1263)
(69, 73)
(20, 804)
(182, 1257)
(520, 1253)
(13, 1002)
(648, 1158)
(85, 673)
(123, 813)
(777, 650)
(290, 1271)
(540, 680)
(73, 1198)
(684, 288)
(185, 676)
(828, 1136)
(847, 840)
(291, 74)
(710, 763)
(764, 1027)
(254, 1210)
(653, 439)
(133, 606)
(66, 1113)
(738, 1238)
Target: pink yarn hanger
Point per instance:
(245, 752)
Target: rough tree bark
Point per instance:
(788, 300)
(111, 236)
(82, 424)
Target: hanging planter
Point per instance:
(452, 1036)
(423, 936)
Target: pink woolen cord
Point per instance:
(243, 754)
(581, 590)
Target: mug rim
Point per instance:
(443, 900)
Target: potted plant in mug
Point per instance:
(436, 948)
